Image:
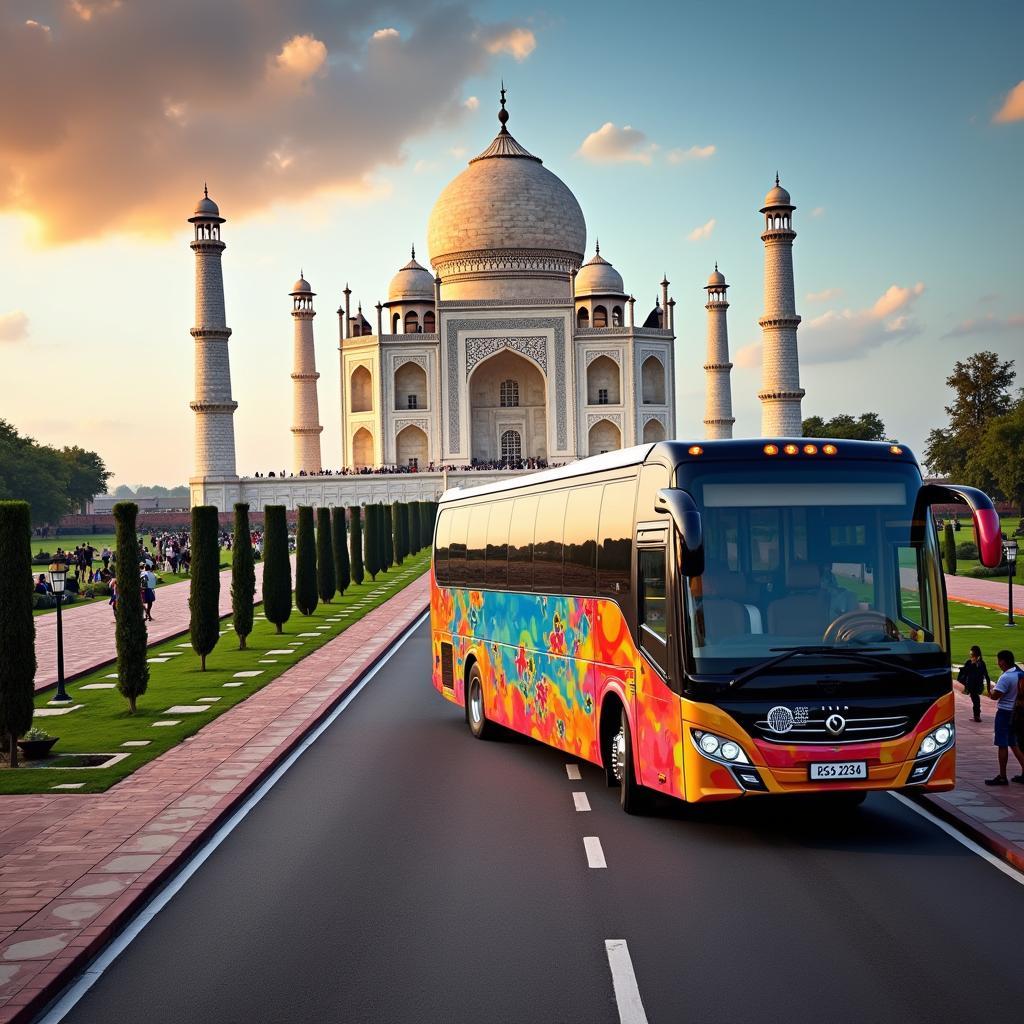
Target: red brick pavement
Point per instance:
(990, 593)
(89, 629)
(74, 868)
(992, 816)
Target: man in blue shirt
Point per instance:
(1005, 693)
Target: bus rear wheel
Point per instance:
(631, 793)
(476, 716)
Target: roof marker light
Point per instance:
(791, 449)
(771, 449)
(695, 449)
(895, 449)
(830, 449)
(810, 449)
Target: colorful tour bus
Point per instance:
(710, 620)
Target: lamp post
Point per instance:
(58, 577)
(1010, 551)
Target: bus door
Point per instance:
(656, 709)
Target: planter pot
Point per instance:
(36, 750)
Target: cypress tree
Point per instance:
(339, 537)
(326, 581)
(949, 544)
(204, 587)
(17, 627)
(130, 632)
(355, 544)
(426, 525)
(305, 562)
(403, 522)
(243, 576)
(382, 539)
(389, 543)
(395, 512)
(277, 566)
(372, 557)
(414, 539)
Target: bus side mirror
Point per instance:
(683, 510)
(983, 512)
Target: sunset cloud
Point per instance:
(471, 103)
(987, 324)
(848, 334)
(680, 156)
(748, 357)
(13, 326)
(1013, 106)
(320, 102)
(704, 231)
(826, 295)
(611, 144)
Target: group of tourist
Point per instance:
(414, 467)
(1008, 692)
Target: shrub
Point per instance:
(982, 572)
(305, 562)
(17, 628)
(949, 548)
(35, 734)
(204, 587)
(967, 549)
(339, 544)
(243, 576)
(130, 633)
(355, 544)
(326, 583)
(277, 566)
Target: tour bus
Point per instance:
(711, 620)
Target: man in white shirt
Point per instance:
(1005, 694)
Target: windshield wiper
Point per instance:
(862, 654)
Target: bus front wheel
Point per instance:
(476, 716)
(630, 791)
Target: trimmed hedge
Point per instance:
(17, 628)
(277, 566)
(305, 562)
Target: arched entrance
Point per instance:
(362, 448)
(410, 387)
(654, 431)
(603, 382)
(411, 448)
(361, 394)
(604, 437)
(652, 375)
(507, 393)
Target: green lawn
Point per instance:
(71, 541)
(970, 624)
(104, 725)
(1009, 525)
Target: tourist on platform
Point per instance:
(1005, 692)
(974, 675)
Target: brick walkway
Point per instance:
(89, 629)
(74, 868)
(990, 593)
(992, 816)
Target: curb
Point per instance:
(81, 961)
(986, 839)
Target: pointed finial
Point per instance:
(776, 177)
(716, 266)
(597, 246)
(503, 113)
(302, 273)
(206, 191)
(414, 250)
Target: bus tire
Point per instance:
(631, 793)
(476, 716)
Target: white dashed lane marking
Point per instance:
(573, 771)
(581, 801)
(595, 855)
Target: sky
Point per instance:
(327, 128)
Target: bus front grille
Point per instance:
(873, 729)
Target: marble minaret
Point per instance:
(780, 393)
(718, 417)
(213, 405)
(306, 427)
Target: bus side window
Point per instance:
(547, 543)
(580, 556)
(457, 547)
(615, 539)
(476, 546)
(520, 544)
(652, 605)
(444, 531)
(497, 545)
(652, 478)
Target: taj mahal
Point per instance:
(514, 351)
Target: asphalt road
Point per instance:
(402, 871)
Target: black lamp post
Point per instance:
(1010, 551)
(58, 577)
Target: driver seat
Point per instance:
(806, 609)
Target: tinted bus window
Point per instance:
(615, 539)
(652, 479)
(476, 545)
(547, 543)
(580, 538)
(444, 530)
(457, 547)
(520, 544)
(497, 545)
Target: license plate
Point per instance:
(838, 771)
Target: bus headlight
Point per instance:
(718, 748)
(938, 740)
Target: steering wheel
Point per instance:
(862, 624)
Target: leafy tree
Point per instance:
(396, 532)
(372, 557)
(204, 584)
(355, 544)
(243, 576)
(389, 538)
(130, 627)
(1000, 454)
(33, 473)
(949, 548)
(868, 426)
(305, 562)
(339, 538)
(326, 581)
(17, 627)
(981, 388)
(277, 566)
(87, 476)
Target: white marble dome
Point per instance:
(301, 287)
(598, 277)
(717, 278)
(413, 283)
(777, 196)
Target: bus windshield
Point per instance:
(816, 558)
